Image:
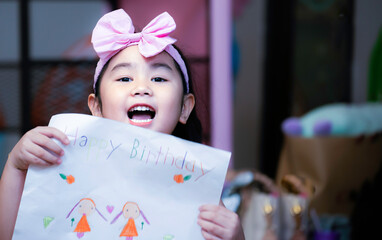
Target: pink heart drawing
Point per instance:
(109, 208)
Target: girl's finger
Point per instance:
(211, 216)
(33, 159)
(211, 228)
(51, 132)
(209, 236)
(39, 153)
(48, 145)
(212, 211)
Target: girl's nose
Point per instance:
(142, 89)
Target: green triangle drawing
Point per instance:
(168, 237)
(47, 221)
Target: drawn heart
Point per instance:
(109, 208)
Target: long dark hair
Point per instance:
(192, 130)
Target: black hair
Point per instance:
(192, 130)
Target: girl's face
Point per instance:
(86, 207)
(131, 210)
(146, 92)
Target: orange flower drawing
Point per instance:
(69, 179)
(180, 179)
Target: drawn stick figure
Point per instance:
(86, 207)
(131, 212)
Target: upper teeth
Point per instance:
(140, 108)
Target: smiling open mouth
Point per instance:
(141, 115)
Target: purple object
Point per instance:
(292, 126)
(326, 235)
(322, 128)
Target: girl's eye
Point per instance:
(158, 79)
(125, 79)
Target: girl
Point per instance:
(140, 79)
(131, 212)
(86, 207)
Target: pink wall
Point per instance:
(221, 74)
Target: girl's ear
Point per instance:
(94, 106)
(188, 105)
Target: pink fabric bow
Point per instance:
(115, 31)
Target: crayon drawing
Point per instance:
(68, 178)
(131, 212)
(112, 172)
(86, 207)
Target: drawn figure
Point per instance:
(86, 207)
(131, 212)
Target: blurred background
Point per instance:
(286, 58)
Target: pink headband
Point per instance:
(115, 31)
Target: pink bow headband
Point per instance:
(115, 31)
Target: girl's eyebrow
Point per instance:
(153, 66)
(121, 65)
(161, 65)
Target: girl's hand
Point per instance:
(217, 222)
(37, 147)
